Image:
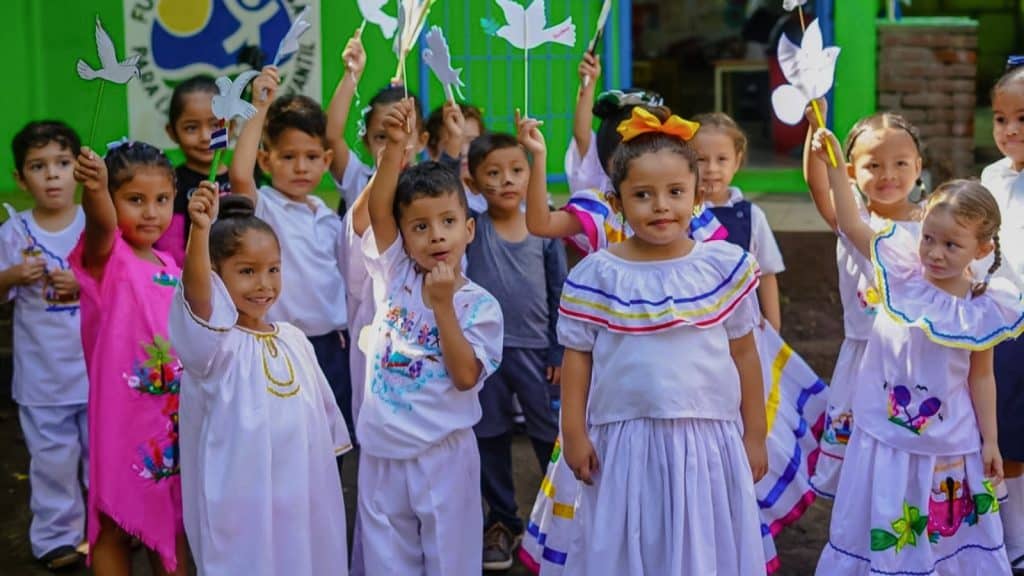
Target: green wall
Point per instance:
(46, 37)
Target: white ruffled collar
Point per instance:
(910, 299)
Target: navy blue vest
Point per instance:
(737, 220)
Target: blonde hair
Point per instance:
(970, 203)
(725, 123)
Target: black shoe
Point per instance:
(63, 558)
(1017, 566)
(499, 545)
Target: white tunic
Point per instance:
(1007, 186)
(259, 432)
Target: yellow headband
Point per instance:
(643, 122)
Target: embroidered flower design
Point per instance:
(838, 430)
(906, 529)
(160, 373)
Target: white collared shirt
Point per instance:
(1007, 186)
(312, 287)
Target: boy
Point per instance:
(49, 384)
(525, 273)
(435, 339)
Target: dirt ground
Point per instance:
(812, 324)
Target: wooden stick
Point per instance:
(526, 67)
(215, 165)
(96, 115)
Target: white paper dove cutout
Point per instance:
(791, 5)
(228, 103)
(439, 58)
(810, 70)
(373, 12)
(290, 43)
(412, 17)
(110, 69)
(526, 28)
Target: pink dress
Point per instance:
(133, 397)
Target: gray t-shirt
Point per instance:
(526, 278)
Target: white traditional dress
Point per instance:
(674, 493)
(913, 497)
(259, 433)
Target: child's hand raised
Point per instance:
(204, 204)
(439, 286)
(530, 135)
(589, 68)
(454, 123)
(812, 117)
(398, 122)
(821, 150)
(91, 171)
(354, 56)
(264, 87)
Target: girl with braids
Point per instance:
(127, 287)
(1003, 178)
(884, 163)
(917, 492)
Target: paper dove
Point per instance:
(412, 17)
(790, 5)
(810, 70)
(526, 28)
(229, 103)
(110, 69)
(373, 12)
(290, 43)
(439, 58)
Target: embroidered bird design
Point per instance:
(228, 103)
(526, 28)
(110, 69)
(373, 12)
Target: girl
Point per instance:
(795, 394)
(126, 291)
(884, 162)
(350, 174)
(190, 125)
(916, 495)
(259, 425)
(648, 463)
(1003, 179)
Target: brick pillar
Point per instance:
(927, 72)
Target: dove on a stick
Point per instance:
(110, 69)
(438, 58)
(526, 28)
(373, 12)
(228, 103)
(290, 43)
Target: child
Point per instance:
(916, 491)
(259, 426)
(435, 339)
(667, 471)
(442, 147)
(1003, 180)
(190, 125)
(49, 381)
(349, 172)
(525, 273)
(884, 161)
(127, 288)
(295, 154)
(794, 393)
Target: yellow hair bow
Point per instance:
(643, 122)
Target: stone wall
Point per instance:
(928, 72)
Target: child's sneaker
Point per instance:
(63, 558)
(499, 544)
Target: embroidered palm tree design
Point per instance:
(159, 373)
(165, 279)
(900, 400)
(906, 529)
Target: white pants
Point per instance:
(58, 444)
(422, 516)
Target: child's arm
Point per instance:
(354, 58)
(555, 271)
(982, 381)
(540, 220)
(195, 278)
(100, 215)
(583, 120)
(852, 226)
(397, 123)
(454, 128)
(768, 295)
(755, 427)
(247, 149)
(459, 358)
(579, 451)
(816, 170)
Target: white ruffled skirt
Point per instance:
(672, 498)
(838, 418)
(909, 514)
